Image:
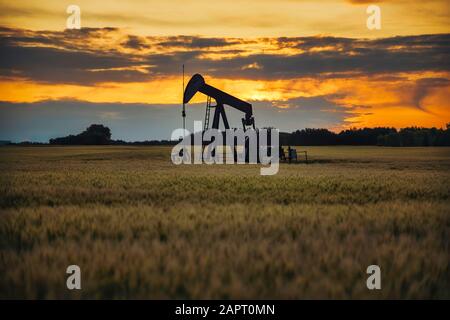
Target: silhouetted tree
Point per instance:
(363, 136)
(414, 136)
(312, 137)
(95, 134)
(407, 137)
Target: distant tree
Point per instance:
(95, 134)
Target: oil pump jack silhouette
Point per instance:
(197, 84)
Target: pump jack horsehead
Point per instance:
(197, 84)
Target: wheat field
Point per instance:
(140, 227)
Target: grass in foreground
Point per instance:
(140, 227)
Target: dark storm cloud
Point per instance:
(435, 40)
(312, 42)
(68, 57)
(273, 66)
(196, 42)
(135, 42)
(61, 66)
(70, 39)
(64, 57)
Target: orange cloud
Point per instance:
(378, 101)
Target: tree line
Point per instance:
(381, 136)
(98, 134)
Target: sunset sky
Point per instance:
(300, 63)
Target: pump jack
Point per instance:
(198, 84)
